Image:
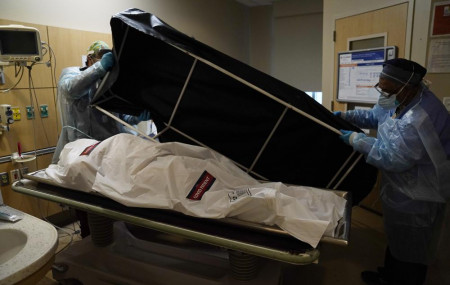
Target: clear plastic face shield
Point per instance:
(388, 100)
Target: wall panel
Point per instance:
(41, 133)
(32, 134)
(69, 45)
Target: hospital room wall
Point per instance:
(31, 134)
(41, 133)
(222, 24)
(286, 42)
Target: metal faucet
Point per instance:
(7, 213)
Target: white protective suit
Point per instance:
(76, 88)
(195, 181)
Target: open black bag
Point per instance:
(198, 95)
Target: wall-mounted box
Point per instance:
(44, 111)
(30, 112)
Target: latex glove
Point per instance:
(347, 137)
(144, 116)
(339, 114)
(107, 61)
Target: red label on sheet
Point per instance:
(203, 184)
(89, 149)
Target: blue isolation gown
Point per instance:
(412, 150)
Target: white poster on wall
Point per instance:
(359, 71)
(439, 56)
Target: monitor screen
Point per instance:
(18, 43)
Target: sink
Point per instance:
(27, 246)
(12, 241)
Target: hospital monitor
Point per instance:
(20, 44)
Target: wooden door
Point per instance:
(390, 22)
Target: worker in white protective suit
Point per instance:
(412, 150)
(76, 88)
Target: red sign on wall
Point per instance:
(441, 19)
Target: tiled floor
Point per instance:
(338, 265)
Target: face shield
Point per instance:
(388, 100)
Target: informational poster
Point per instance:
(359, 71)
(439, 56)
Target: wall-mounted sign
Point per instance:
(441, 19)
(359, 71)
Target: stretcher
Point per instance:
(254, 252)
(251, 238)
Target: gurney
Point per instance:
(241, 238)
(246, 243)
(200, 96)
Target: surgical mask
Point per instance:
(388, 102)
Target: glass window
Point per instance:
(315, 95)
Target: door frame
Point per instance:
(409, 20)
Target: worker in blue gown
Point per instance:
(76, 88)
(412, 150)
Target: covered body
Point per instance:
(195, 181)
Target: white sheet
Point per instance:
(141, 173)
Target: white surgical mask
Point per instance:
(388, 102)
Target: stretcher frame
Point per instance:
(330, 185)
(250, 238)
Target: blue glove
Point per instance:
(345, 137)
(144, 116)
(107, 61)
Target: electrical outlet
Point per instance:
(44, 111)
(4, 179)
(15, 175)
(16, 113)
(6, 114)
(30, 112)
